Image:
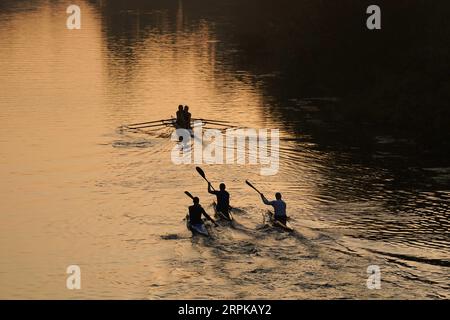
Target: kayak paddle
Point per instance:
(148, 122)
(202, 174)
(209, 120)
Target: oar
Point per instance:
(217, 126)
(202, 174)
(148, 122)
(252, 186)
(189, 194)
(207, 215)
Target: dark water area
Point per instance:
(394, 78)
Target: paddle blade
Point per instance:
(148, 126)
(189, 194)
(200, 172)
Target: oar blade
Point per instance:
(148, 122)
(189, 194)
(162, 124)
(200, 172)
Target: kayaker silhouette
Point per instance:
(187, 117)
(223, 199)
(279, 207)
(195, 217)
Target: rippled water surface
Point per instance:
(77, 190)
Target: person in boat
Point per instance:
(187, 117)
(196, 211)
(180, 117)
(279, 207)
(223, 199)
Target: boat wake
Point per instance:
(141, 143)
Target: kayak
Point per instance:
(279, 224)
(197, 228)
(221, 215)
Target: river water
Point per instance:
(76, 190)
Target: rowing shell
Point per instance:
(221, 215)
(279, 224)
(197, 228)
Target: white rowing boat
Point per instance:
(222, 215)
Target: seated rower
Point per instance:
(187, 117)
(180, 117)
(279, 207)
(223, 199)
(196, 211)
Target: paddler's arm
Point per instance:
(208, 217)
(210, 190)
(265, 200)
